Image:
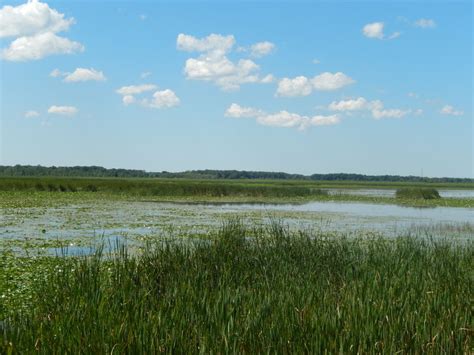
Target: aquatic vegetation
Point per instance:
(255, 289)
(43, 191)
(417, 193)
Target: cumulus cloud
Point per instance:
(79, 74)
(375, 30)
(425, 23)
(375, 107)
(213, 64)
(303, 86)
(282, 118)
(135, 89)
(31, 18)
(329, 81)
(213, 42)
(39, 46)
(34, 27)
(160, 99)
(84, 74)
(299, 86)
(349, 105)
(450, 110)
(128, 100)
(63, 110)
(389, 113)
(267, 79)
(261, 49)
(31, 113)
(238, 111)
(55, 73)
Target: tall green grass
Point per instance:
(417, 193)
(157, 187)
(255, 290)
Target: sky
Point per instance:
(300, 87)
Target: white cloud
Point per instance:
(39, 46)
(316, 61)
(375, 107)
(55, 73)
(162, 99)
(373, 30)
(213, 64)
(31, 18)
(84, 74)
(299, 86)
(128, 100)
(145, 74)
(349, 105)
(303, 86)
(33, 26)
(425, 23)
(135, 89)
(450, 110)
(261, 49)
(267, 79)
(213, 42)
(143, 17)
(413, 95)
(282, 118)
(329, 81)
(63, 110)
(31, 113)
(320, 120)
(238, 111)
(394, 35)
(389, 113)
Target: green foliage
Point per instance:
(255, 290)
(98, 171)
(159, 187)
(417, 193)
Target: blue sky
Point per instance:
(363, 87)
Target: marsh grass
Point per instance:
(417, 193)
(255, 290)
(157, 187)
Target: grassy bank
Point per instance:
(274, 292)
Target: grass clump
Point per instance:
(255, 290)
(417, 193)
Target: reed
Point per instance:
(255, 290)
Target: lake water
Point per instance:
(80, 226)
(446, 193)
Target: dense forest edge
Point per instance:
(98, 171)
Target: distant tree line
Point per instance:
(98, 171)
